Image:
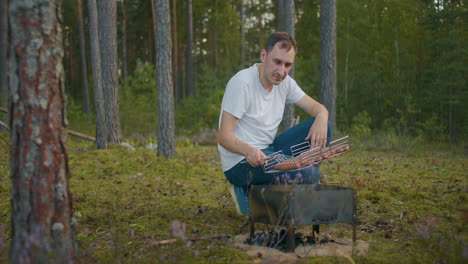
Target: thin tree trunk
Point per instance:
(190, 62)
(215, 40)
(153, 12)
(166, 123)
(124, 40)
(280, 15)
(260, 24)
(3, 53)
(241, 29)
(175, 50)
(346, 63)
(108, 48)
(328, 57)
(101, 129)
(42, 229)
(84, 67)
(288, 116)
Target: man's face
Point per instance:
(277, 63)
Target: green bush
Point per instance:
(138, 101)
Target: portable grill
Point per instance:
(295, 199)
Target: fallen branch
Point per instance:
(71, 132)
(4, 125)
(83, 136)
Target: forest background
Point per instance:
(401, 65)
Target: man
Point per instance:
(252, 109)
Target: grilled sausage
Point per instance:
(290, 164)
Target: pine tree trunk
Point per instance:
(101, 129)
(42, 228)
(124, 41)
(166, 123)
(280, 15)
(288, 116)
(346, 79)
(190, 63)
(328, 57)
(3, 54)
(241, 30)
(108, 48)
(175, 50)
(84, 67)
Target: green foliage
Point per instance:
(78, 120)
(202, 110)
(401, 62)
(138, 101)
(360, 126)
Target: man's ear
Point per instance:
(263, 54)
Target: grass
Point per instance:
(412, 207)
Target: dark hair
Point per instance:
(283, 38)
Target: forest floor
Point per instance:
(412, 206)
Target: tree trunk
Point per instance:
(42, 226)
(288, 116)
(153, 12)
(101, 129)
(108, 49)
(260, 23)
(328, 57)
(280, 15)
(175, 50)
(190, 63)
(346, 79)
(84, 67)
(3, 53)
(241, 30)
(124, 41)
(166, 123)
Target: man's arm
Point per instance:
(230, 142)
(318, 131)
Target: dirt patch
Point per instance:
(341, 247)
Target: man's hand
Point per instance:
(255, 157)
(318, 133)
(226, 138)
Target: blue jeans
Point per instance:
(243, 174)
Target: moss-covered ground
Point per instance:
(412, 206)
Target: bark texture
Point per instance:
(108, 48)
(288, 116)
(3, 53)
(175, 50)
(84, 66)
(190, 63)
(166, 126)
(101, 129)
(124, 40)
(328, 57)
(42, 226)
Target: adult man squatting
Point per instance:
(252, 110)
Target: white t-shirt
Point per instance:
(260, 112)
